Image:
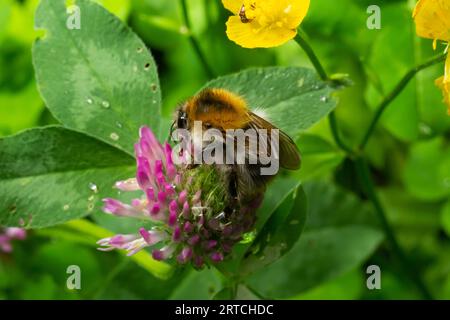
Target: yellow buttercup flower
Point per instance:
(444, 84)
(264, 23)
(432, 18)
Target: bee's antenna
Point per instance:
(172, 129)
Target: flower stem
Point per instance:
(335, 132)
(397, 90)
(366, 180)
(195, 44)
(300, 39)
(304, 44)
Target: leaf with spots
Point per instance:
(291, 98)
(99, 79)
(51, 175)
(279, 233)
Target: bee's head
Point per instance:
(182, 119)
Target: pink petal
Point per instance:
(186, 210)
(182, 197)
(185, 255)
(176, 237)
(194, 240)
(163, 254)
(172, 218)
(216, 257)
(127, 185)
(16, 233)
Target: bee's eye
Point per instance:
(182, 120)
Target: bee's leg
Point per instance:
(250, 183)
(231, 183)
(191, 166)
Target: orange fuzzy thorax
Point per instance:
(220, 108)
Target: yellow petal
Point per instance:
(251, 35)
(233, 5)
(296, 11)
(445, 87)
(447, 70)
(272, 22)
(432, 18)
(289, 13)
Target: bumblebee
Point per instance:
(223, 110)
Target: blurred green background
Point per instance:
(409, 154)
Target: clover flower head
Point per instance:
(9, 234)
(264, 23)
(185, 206)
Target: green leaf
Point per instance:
(319, 157)
(198, 285)
(279, 234)
(427, 171)
(275, 195)
(314, 144)
(224, 294)
(406, 212)
(318, 256)
(339, 235)
(346, 287)
(293, 99)
(331, 206)
(52, 175)
(245, 293)
(99, 79)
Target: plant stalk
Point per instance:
(395, 92)
(304, 44)
(366, 181)
(194, 43)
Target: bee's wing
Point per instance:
(288, 151)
